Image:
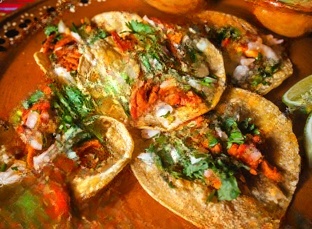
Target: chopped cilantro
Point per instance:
(228, 32)
(145, 62)
(235, 137)
(35, 97)
(97, 35)
(207, 81)
(196, 170)
(229, 189)
(247, 127)
(212, 140)
(181, 155)
(71, 104)
(139, 27)
(263, 71)
(50, 29)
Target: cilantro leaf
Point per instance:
(236, 137)
(51, 29)
(35, 97)
(139, 27)
(212, 140)
(207, 81)
(97, 35)
(196, 170)
(229, 189)
(228, 32)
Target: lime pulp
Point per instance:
(308, 139)
(299, 96)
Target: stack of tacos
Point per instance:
(217, 155)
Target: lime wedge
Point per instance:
(299, 96)
(308, 139)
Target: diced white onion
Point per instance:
(32, 119)
(76, 36)
(240, 72)
(149, 133)
(61, 27)
(221, 134)
(194, 160)
(163, 109)
(271, 40)
(72, 155)
(246, 61)
(11, 176)
(147, 158)
(34, 143)
(175, 155)
(202, 44)
(64, 74)
(264, 49)
(269, 52)
(193, 83)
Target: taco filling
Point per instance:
(61, 127)
(217, 151)
(128, 59)
(253, 60)
(233, 162)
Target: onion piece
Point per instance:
(32, 119)
(240, 72)
(36, 140)
(247, 61)
(61, 27)
(149, 133)
(163, 110)
(11, 176)
(147, 158)
(202, 44)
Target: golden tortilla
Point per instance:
(87, 183)
(266, 202)
(218, 20)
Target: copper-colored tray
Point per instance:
(124, 204)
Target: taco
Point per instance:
(160, 74)
(253, 60)
(235, 167)
(63, 130)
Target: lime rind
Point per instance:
(299, 96)
(308, 139)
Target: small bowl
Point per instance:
(176, 6)
(290, 18)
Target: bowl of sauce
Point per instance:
(290, 18)
(177, 6)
